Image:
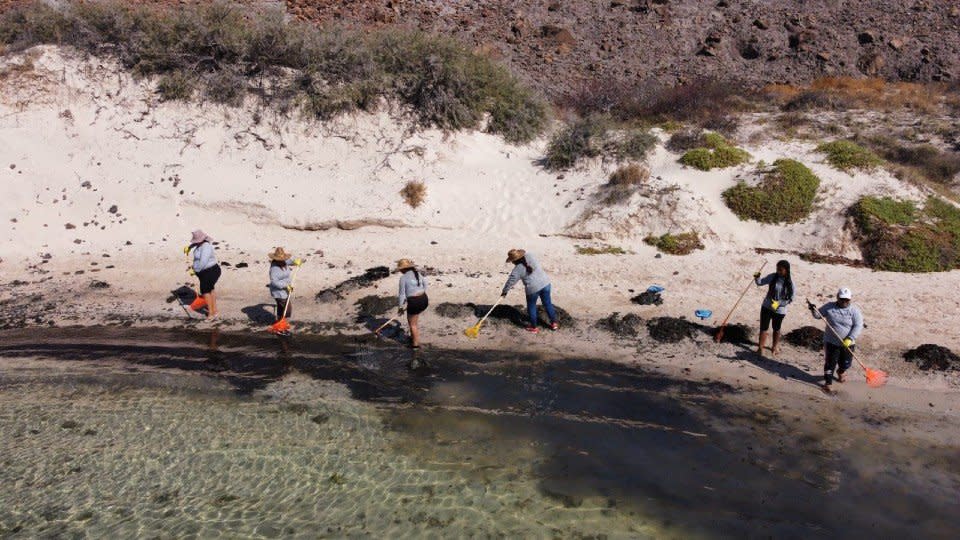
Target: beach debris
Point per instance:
(99, 285)
(810, 337)
(736, 333)
(929, 356)
(670, 329)
(703, 314)
(625, 326)
(369, 277)
(373, 305)
(451, 310)
(718, 337)
(647, 298)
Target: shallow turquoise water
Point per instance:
(133, 433)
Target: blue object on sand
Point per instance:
(655, 289)
(703, 314)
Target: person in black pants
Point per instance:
(780, 293)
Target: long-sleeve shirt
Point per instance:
(779, 292)
(280, 278)
(409, 287)
(533, 282)
(848, 322)
(203, 257)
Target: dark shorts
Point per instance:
(208, 278)
(282, 305)
(767, 316)
(417, 304)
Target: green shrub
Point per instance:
(636, 144)
(848, 155)
(228, 48)
(897, 236)
(676, 244)
(175, 86)
(785, 195)
(581, 139)
(716, 153)
(602, 250)
(929, 161)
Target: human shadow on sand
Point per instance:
(259, 314)
(783, 370)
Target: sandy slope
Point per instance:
(78, 137)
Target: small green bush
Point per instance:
(716, 153)
(785, 195)
(602, 250)
(848, 155)
(175, 86)
(636, 144)
(581, 139)
(676, 244)
(897, 236)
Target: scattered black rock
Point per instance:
(99, 285)
(69, 226)
(241, 265)
(225, 264)
(455, 311)
(670, 329)
(373, 305)
(810, 337)
(929, 356)
(320, 419)
(626, 326)
(70, 424)
(647, 298)
(113, 209)
(369, 277)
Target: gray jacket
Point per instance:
(533, 282)
(848, 322)
(409, 287)
(203, 257)
(280, 278)
(779, 293)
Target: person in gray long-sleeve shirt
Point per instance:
(281, 280)
(536, 284)
(780, 293)
(844, 325)
(412, 297)
(206, 269)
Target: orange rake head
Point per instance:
(198, 303)
(280, 326)
(876, 378)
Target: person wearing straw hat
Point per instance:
(844, 325)
(412, 297)
(206, 268)
(281, 279)
(536, 284)
(780, 293)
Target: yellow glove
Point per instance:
(289, 288)
(190, 271)
(186, 249)
(774, 304)
(297, 262)
(848, 342)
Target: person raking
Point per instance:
(412, 297)
(536, 284)
(281, 280)
(846, 320)
(780, 293)
(206, 268)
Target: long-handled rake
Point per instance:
(283, 325)
(718, 337)
(875, 377)
(474, 331)
(384, 325)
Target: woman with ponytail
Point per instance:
(780, 294)
(412, 297)
(527, 269)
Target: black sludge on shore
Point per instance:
(369, 277)
(930, 356)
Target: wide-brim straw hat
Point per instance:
(199, 237)
(278, 254)
(515, 254)
(404, 264)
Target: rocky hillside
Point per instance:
(561, 46)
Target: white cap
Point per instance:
(844, 294)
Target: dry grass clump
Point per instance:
(414, 193)
(842, 93)
(623, 183)
(231, 51)
(595, 136)
(933, 164)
